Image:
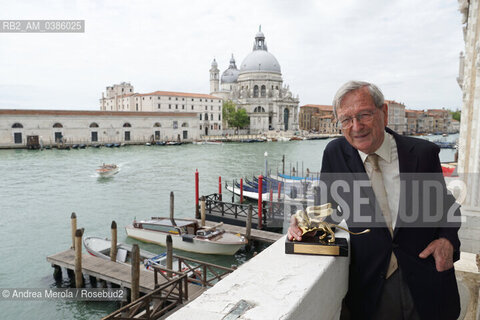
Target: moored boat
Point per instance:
(214, 142)
(100, 247)
(186, 235)
(108, 170)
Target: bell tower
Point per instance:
(214, 79)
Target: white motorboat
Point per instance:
(107, 170)
(100, 247)
(214, 142)
(186, 235)
(252, 195)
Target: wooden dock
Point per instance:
(164, 290)
(110, 271)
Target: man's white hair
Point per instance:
(350, 86)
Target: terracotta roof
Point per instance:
(27, 112)
(437, 110)
(179, 94)
(319, 106)
(393, 102)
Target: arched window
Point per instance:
(93, 125)
(263, 91)
(185, 125)
(255, 91)
(57, 125)
(127, 125)
(157, 125)
(259, 109)
(206, 115)
(17, 125)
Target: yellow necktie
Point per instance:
(378, 186)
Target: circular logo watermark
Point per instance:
(6, 293)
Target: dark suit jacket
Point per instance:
(435, 294)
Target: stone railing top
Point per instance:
(277, 286)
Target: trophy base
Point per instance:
(315, 246)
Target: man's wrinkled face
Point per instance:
(366, 133)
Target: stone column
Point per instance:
(469, 141)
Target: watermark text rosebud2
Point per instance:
(42, 26)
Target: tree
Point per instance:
(237, 118)
(456, 115)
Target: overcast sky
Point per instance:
(409, 48)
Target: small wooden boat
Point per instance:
(296, 138)
(107, 170)
(214, 142)
(186, 235)
(100, 247)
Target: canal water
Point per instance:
(40, 189)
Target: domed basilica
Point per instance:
(258, 88)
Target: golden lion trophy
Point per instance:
(312, 219)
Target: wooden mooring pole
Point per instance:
(241, 190)
(260, 201)
(78, 258)
(220, 188)
(172, 200)
(113, 250)
(202, 210)
(169, 254)
(197, 210)
(73, 222)
(249, 224)
(135, 273)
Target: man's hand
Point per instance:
(442, 251)
(294, 232)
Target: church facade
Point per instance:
(258, 88)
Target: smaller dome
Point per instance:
(214, 63)
(231, 74)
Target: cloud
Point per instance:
(409, 48)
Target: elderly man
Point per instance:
(403, 268)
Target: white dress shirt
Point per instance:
(388, 163)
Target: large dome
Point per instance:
(260, 60)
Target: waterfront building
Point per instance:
(19, 128)
(258, 88)
(441, 120)
(396, 116)
(122, 97)
(454, 127)
(412, 123)
(318, 118)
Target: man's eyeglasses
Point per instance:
(362, 117)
